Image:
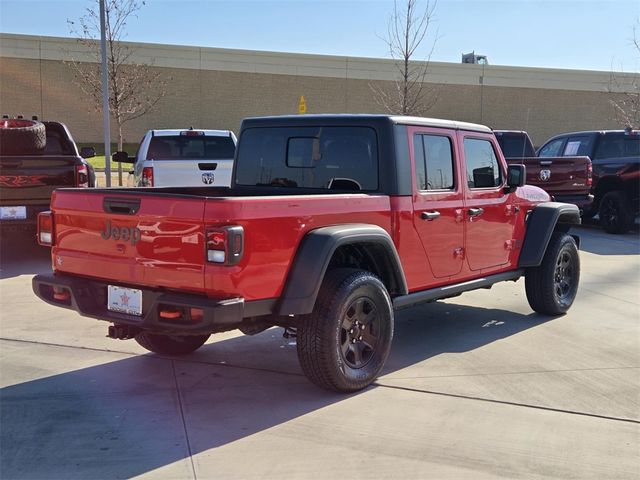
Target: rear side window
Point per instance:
(515, 145)
(57, 142)
(483, 169)
(552, 149)
(336, 158)
(433, 162)
(618, 145)
(578, 146)
(180, 147)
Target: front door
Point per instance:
(438, 213)
(488, 219)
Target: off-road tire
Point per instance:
(22, 137)
(326, 354)
(171, 344)
(615, 213)
(552, 287)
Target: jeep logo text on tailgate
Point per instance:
(125, 234)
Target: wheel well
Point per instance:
(371, 257)
(604, 186)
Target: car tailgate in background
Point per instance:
(558, 175)
(29, 180)
(192, 173)
(154, 240)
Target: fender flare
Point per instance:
(542, 222)
(314, 254)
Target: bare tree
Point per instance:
(134, 89)
(409, 26)
(625, 90)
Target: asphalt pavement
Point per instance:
(476, 387)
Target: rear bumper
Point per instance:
(89, 298)
(28, 223)
(583, 202)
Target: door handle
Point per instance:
(429, 215)
(474, 212)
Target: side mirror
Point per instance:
(123, 157)
(87, 152)
(516, 176)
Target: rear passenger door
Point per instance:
(438, 199)
(488, 209)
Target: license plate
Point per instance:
(124, 300)
(13, 213)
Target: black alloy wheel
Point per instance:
(564, 276)
(359, 334)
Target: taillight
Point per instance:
(147, 177)
(225, 245)
(45, 228)
(589, 175)
(82, 176)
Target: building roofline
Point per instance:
(315, 65)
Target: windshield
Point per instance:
(336, 158)
(181, 147)
(515, 145)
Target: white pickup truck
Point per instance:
(168, 158)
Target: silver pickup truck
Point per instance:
(185, 158)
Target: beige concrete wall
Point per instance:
(216, 88)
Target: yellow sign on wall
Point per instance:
(302, 105)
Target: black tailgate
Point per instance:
(32, 179)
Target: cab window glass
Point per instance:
(434, 162)
(483, 169)
(618, 145)
(552, 149)
(420, 167)
(578, 146)
(333, 158)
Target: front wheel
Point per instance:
(170, 344)
(552, 287)
(344, 343)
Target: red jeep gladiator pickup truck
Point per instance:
(331, 223)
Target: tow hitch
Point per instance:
(122, 332)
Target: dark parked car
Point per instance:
(35, 159)
(615, 156)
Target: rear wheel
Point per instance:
(171, 344)
(344, 343)
(552, 287)
(615, 213)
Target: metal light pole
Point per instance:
(105, 96)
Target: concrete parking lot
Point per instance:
(476, 387)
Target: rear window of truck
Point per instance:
(614, 145)
(181, 147)
(335, 158)
(515, 146)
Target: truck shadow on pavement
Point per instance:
(20, 254)
(595, 240)
(139, 413)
